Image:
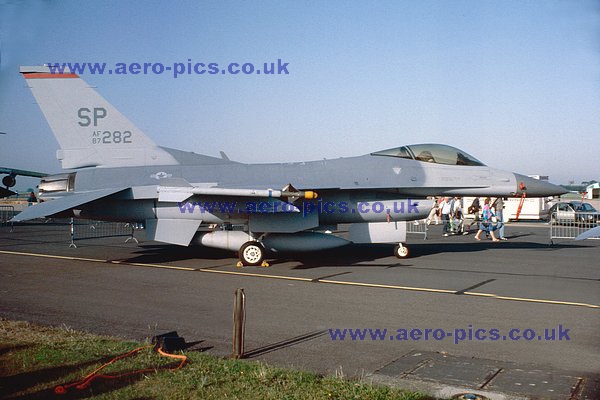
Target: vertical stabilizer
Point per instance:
(90, 131)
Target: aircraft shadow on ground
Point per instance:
(351, 255)
(365, 255)
(425, 249)
(157, 253)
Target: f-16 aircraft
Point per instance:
(117, 173)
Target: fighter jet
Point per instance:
(117, 173)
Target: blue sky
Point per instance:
(515, 83)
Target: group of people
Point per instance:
(488, 217)
(449, 211)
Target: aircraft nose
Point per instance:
(537, 188)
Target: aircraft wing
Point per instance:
(162, 193)
(21, 172)
(63, 204)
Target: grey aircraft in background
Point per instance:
(10, 179)
(116, 173)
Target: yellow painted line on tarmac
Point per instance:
(479, 294)
(292, 278)
(287, 278)
(526, 299)
(19, 253)
(564, 303)
(155, 266)
(146, 265)
(378, 285)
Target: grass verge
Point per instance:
(35, 359)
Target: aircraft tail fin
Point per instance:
(90, 131)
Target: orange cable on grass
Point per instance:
(88, 379)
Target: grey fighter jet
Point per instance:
(116, 173)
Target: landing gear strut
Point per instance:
(401, 251)
(252, 254)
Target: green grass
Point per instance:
(35, 359)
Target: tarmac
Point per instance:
(450, 284)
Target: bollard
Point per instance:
(72, 227)
(239, 323)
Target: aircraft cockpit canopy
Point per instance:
(433, 153)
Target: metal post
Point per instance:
(550, 223)
(131, 236)
(72, 233)
(239, 322)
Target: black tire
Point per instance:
(252, 254)
(9, 181)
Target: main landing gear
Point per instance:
(252, 254)
(401, 251)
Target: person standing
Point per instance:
(31, 198)
(459, 216)
(474, 210)
(446, 207)
(498, 206)
(486, 221)
(434, 212)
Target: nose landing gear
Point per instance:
(401, 251)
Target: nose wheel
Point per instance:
(252, 254)
(401, 251)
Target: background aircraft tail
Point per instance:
(90, 131)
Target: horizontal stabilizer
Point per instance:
(52, 207)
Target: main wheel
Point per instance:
(252, 254)
(401, 251)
